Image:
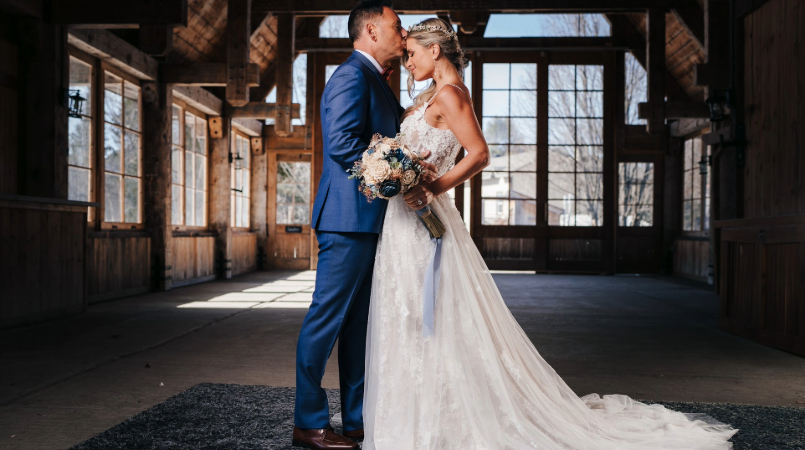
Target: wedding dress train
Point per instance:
(478, 382)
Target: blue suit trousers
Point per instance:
(340, 310)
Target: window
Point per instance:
(547, 25)
(635, 90)
(509, 120)
(636, 194)
(122, 151)
(336, 26)
(240, 175)
(406, 100)
(696, 202)
(188, 169)
(299, 94)
(575, 145)
(293, 193)
(79, 138)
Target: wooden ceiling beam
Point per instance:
(284, 73)
(677, 110)
(29, 8)
(692, 18)
(259, 110)
(715, 73)
(106, 14)
(156, 40)
(238, 45)
(109, 48)
(429, 6)
(656, 70)
(206, 74)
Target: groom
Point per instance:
(357, 102)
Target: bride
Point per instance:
(477, 382)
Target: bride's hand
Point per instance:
(418, 197)
(429, 170)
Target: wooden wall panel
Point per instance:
(43, 265)
(244, 253)
(117, 266)
(575, 250)
(774, 91)
(691, 258)
(193, 259)
(9, 111)
(508, 248)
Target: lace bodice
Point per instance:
(419, 136)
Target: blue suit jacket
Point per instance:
(356, 104)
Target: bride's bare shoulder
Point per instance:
(452, 97)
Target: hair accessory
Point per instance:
(413, 28)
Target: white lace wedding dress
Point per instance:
(478, 383)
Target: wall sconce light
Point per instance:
(703, 162)
(237, 160)
(719, 104)
(75, 103)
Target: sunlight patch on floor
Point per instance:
(292, 292)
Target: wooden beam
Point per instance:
(259, 110)
(250, 127)
(637, 139)
(104, 13)
(156, 40)
(199, 98)
(715, 73)
(656, 72)
(205, 74)
(677, 110)
(107, 47)
(430, 6)
(691, 17)
(685, 127)
(285, 57)
(30, 8)
(238, 35)
(625, 34)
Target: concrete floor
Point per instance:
(650, 338)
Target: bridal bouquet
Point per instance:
(388, 168)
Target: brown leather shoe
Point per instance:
(355, 435)
(322, 439)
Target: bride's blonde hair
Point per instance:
(428, 33)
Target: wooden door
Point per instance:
(288, 214)
(640, 212)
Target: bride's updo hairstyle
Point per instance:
(428, 33)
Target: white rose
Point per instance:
(408, 177)
(376, 172)
(384, 148)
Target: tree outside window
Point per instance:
(122, 151)
(188, 169)
(79, 137)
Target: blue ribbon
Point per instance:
(431, 288)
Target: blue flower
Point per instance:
(389, 188)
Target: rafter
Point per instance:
(205, 74)
(692, 18)
(412, 6)
(104, 14)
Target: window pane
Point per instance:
(589, 159)
(523, 212)
(188, 209)
(560, 186)
(111, 138)
(697, 184)
(200, 172)
(590, 78)
(189, 131)
(523, 103)
(200, 207)
(496, 76)
(590, 186)
(523, 131)
(523, 157)
(78, 141)
(285, 193)
(687, 221)
(546, 25)
(81, 80)
(561, 159)
(706, 214)
(523, 185)
(299, 94)
(494, 212)
(561, 213)
(293, 193)
(132, 106)
(636, 194)
(524, 76)
(590, 131)
(132, 153)
(334, 27)
(302, 214)
(561, 131)
(176, 205)
(495, 184)
(589, 213)
(635, 215)
(132, 200)
(561, 104)
(496, 130)
(561, 77)
(188, 170)
(245, 213)
(590, 104)
(113, 99)
(176, 165)
(697, 215)
(496, 103)
(113, 198)
(201, 136)
(78, 184)
(176, 126)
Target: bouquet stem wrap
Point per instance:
(432, 223)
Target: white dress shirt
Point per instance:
(372, 60)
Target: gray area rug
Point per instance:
(227, 416)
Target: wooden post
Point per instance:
(156, 40)
(655, 59)
(221, 198)
(238, 35)
(157, 101)
(259, 199)
(285, 57)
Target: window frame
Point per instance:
(92, 213)
(185, 108)
(703, 197)
(100, 113)
(234, 194)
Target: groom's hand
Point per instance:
(428, 170)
